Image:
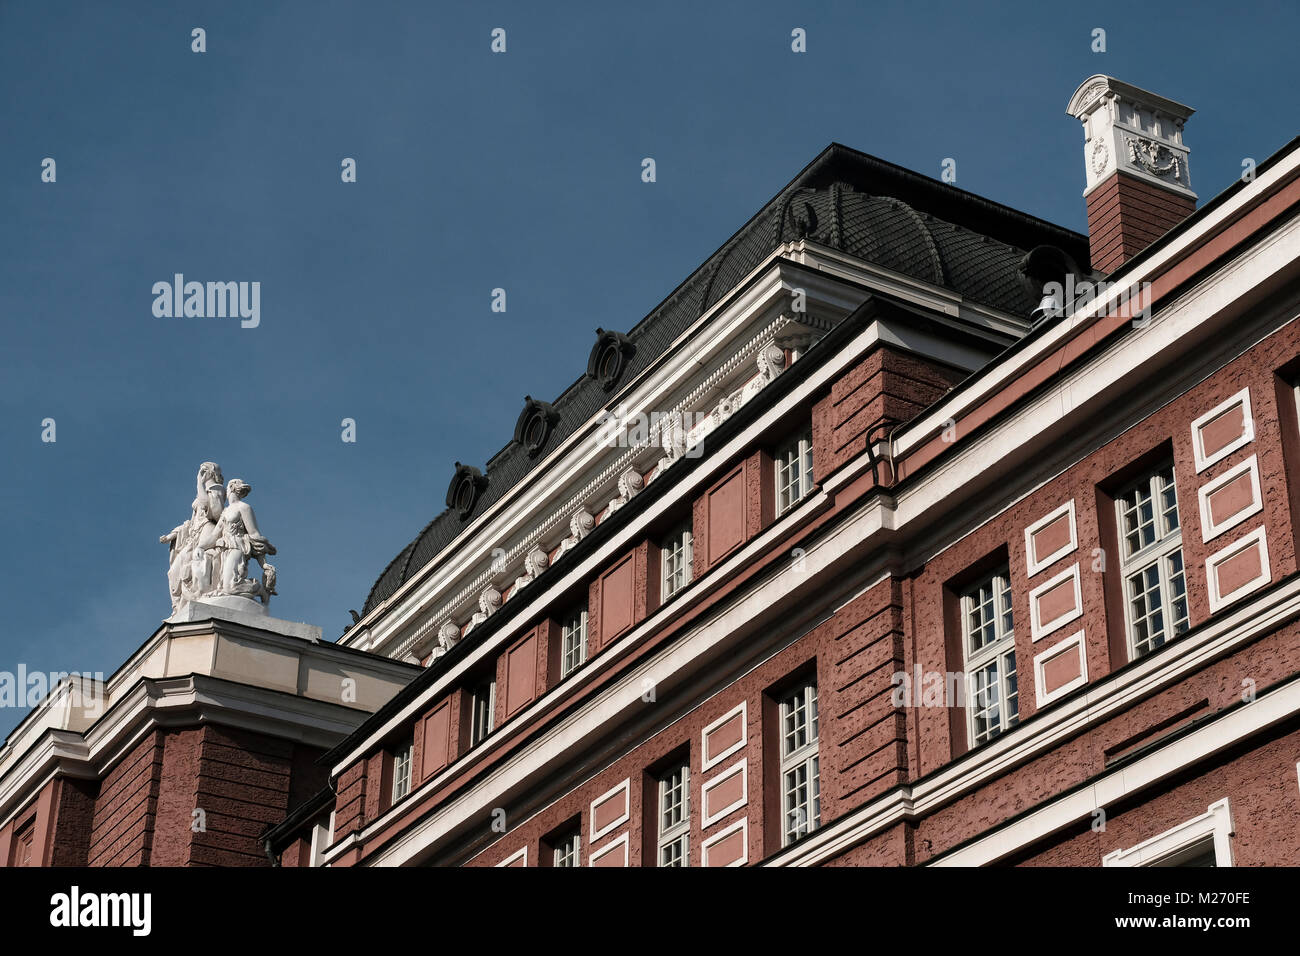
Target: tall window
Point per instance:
(1151, 546)
(677, 559)
(482, 704)
(992, 704)
(566, 850)
(794, 472)
(573, 630)
(800, 787)
(23, 842)
(675, 816)
(402, 769)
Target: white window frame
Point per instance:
(1002, 647)
(804, 756)
(794, 479)
(573, 654)
(679, 546)
(403, 765)
(565, 856)
(1157, 553)
(679, 832)
(474, 698)
(1183, 841)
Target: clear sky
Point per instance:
(475, 171)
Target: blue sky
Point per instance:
(475, 171)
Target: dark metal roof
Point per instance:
(872, 210)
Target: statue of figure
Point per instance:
(188, 570)
(208, 554)
(239, 539)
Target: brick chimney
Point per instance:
(1138, 183)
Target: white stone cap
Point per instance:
(241, 610)
(1131, 130)
(260, 675)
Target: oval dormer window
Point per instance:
(535, 434)
(535, 424)
(466, 486)
(609, 357)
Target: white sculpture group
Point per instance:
(209, 553)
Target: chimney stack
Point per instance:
(1138, 184)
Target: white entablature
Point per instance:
(792, 298)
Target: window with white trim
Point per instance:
(573, 641)
(988, 642)
(1197, 855)
(677, 560)
(1151, 561)
(800, 783)
(675, 816)
(1203, 841)
(402, 770)
(482, 706)
(794, 471)
(567, 849)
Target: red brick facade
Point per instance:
(143, 811)
(1127, 214)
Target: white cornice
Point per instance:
(544, 592)
(228, 672)
(688, 374)
(179, 701)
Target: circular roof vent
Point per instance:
(466, 486)
(609, 357)
(536, 422)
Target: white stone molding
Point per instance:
(534, 564)
(1205, 459)
(621, 465)
(1133, 131)
(580, 526)
(629, 485)
(1215, 825)
(488, 603)
(1209, 527)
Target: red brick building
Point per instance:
(909, 530)
(206, 736)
